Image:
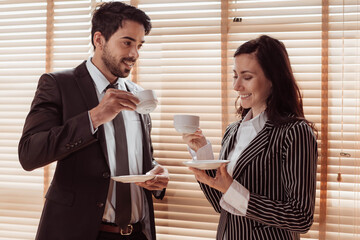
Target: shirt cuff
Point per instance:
(236, 199)
(203, 153)
(91, 125)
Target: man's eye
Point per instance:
(235, 77)
(247, 77)
(127, 43)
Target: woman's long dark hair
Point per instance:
(285, 102)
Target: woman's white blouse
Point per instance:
(235, 199)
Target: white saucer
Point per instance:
(146, 107)
(132, 178)
(205, 164)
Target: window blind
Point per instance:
(24, 56)
(183, 61)
(343, 212)
(22, 59)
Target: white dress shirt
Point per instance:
(235, 200)
(135, 154)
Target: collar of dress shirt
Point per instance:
(99, 79)
(257, 122)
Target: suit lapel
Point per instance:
(88, 93)
(255, 147)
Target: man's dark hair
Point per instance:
(109, 16)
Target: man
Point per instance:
(74, 120)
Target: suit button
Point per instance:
(100, 204)
(106, 175)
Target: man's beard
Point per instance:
(114, 66)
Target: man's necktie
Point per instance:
(123, 195)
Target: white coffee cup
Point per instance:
(148, 101)
(186, 123)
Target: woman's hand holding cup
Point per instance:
(195, 140)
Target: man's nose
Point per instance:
(134, 53)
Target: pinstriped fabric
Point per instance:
(279, 169)
(228, 140)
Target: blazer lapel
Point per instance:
(255, 147)
(88, 93)
(229, 140)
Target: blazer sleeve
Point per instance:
(46, 136)
(299, 160)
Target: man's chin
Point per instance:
(125, 73)
(122, 74)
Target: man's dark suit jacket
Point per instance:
(57, 128)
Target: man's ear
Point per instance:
(99, 40)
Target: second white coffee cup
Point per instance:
(186, 123)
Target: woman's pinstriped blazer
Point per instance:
(279, 169)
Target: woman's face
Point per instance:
(250, 83)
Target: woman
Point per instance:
(267, 190)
